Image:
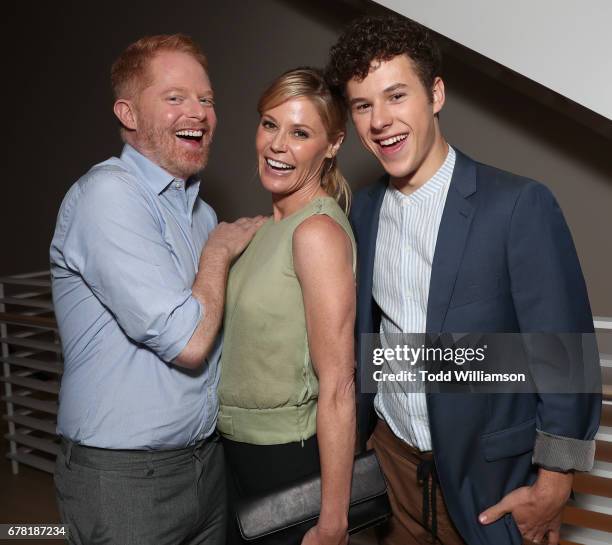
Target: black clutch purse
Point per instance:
(286, 514)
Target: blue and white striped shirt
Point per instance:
(405, 246)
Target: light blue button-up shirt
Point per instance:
(123, 259)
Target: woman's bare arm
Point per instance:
(323, 261)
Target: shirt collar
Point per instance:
(154, 176)
(431, 187)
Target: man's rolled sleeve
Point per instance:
(559, 453)
(550, 297)
(115, 242)
(169, 342)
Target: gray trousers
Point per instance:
(122, 497)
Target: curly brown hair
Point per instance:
(380, 38)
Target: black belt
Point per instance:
(96, 457)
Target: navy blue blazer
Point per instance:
(504, 262)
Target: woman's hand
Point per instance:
(319, 536)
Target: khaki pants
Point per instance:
(400, 463)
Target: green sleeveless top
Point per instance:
(268, 388)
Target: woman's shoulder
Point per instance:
(325, 216)
(321, 243)
(323, 232)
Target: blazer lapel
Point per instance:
(367, 226)
(452, 235)
(368, 252)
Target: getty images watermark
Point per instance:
(412, 356)
(480, 362)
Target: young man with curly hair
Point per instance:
(447, 244)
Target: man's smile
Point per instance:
(192, 137)
(389, 145)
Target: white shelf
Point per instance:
(43, 346)
(602, 322)
(32, 403)
(46, 445)
(33, 423)
(53, 367)
(50, 386)
(31, 363)
(25, 457)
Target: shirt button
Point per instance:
(178, 185)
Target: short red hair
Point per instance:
(129, 73)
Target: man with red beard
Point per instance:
(139, 268)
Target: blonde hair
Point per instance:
(309, 83)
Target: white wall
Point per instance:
(565, 45)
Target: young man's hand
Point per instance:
(536, 509)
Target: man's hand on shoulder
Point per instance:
(230, 239)
(226, 242)
(536, 509)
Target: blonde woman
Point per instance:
(287, 400)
